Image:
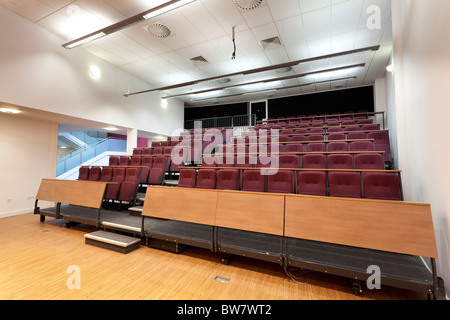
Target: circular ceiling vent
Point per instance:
(158, 30)
(248, 4)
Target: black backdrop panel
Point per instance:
(326, 102)
(215, 111)
(355, 99)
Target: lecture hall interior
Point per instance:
(224, 150)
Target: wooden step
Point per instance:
(112, 241)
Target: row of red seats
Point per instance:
(347, 184)
(360, 161)
(126, 181)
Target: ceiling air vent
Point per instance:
(198, 61)
(248, 4)
(271, 43)
(158, 30)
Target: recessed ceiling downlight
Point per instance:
(158, 30)
(248, 4)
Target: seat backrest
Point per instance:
(298, 138)
(289, 161)
(124, 161)
(340, 161)
(338, 146)
(281, 182)
(253, 181)
(335, 129)
(316, 147)
(356, 135)
(365, 121)
(118, 174)
(167, 151)
(316, 130)
(336, 136)
(316, 137)
(132, 175)
(314, 161)
(352, 128)
(160, 163)
(188, 178)
(83, 173)
(147, 151)
(206, 179)
(361, 146)
(301, 131)
(136, 161)
(312, 183)
(147, 161)
(345, 184)
(113, 160)
(107, 174)
(369, 161)
(137, 151)
(383, 147)
(371, 127)
(382, 186)
(227, 179)
(380, 137)
(293, 147)
(95, 174)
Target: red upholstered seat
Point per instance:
(345, 184)
(312, 183)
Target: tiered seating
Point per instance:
(367, 184)
(126, 178)
(330, 156)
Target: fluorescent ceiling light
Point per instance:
(261, 83)
(10, 110)
(263, 69)
(275, 89)
(84, 40)
(167, 6)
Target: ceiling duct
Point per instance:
(158, 30)
(198, 61)
(271, 43)
(248, 4)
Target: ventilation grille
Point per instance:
(198, 61)
(158, 30)
(271, 43)
(248, 4)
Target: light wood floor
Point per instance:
(35, 257)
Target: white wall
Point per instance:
(28, 155)
(37, 72)
(422, 95)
